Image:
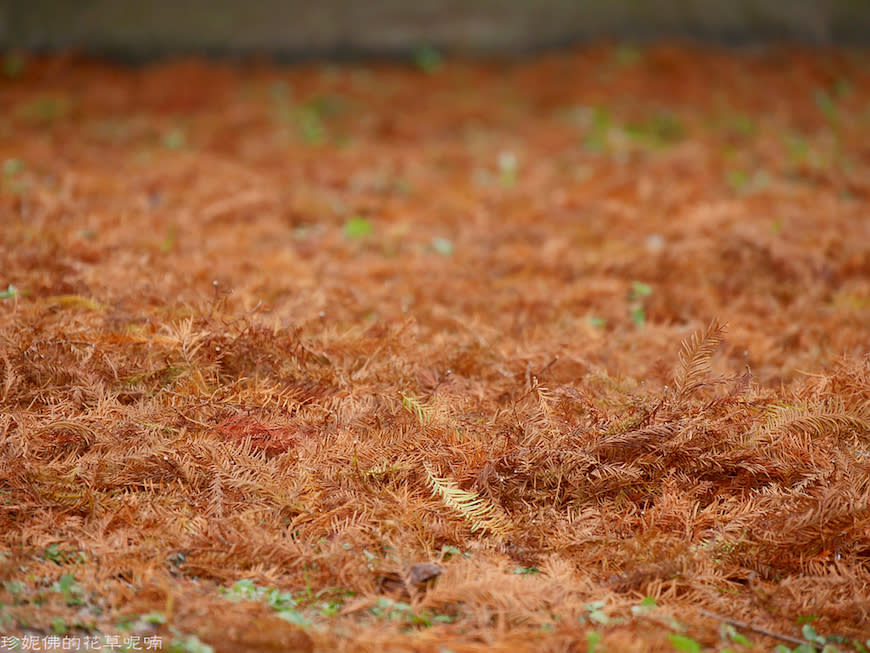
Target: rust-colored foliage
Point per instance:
(366, 358)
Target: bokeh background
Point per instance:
(299, 28)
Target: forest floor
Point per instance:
(559, 354)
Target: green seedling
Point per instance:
(595, 613)
(294, 617)
(174, 139)
(326, 106)
(742, 124)
(661, 129)
(428, 59)
(626, 56)
(639, 291)
(809, 633)
(55, 554)
(526, 571)
(283, 603)
(593, 638)
(443, 246)
(72, 592)
(168, 243)
(15, 588)
(357, 227)
(597, 139)
(402, 187)
(738, 179)
(729, 633)
(243, 590)
(45, 110)
(12, 167)
(826, 105)
(507, 169)
(797, 149)
(311, 126)
(638, 315)
(644, 607)
(10, 292)
(448, 551)
(11, 176)
(14, 65)
(842, 88)
(155, 618)
(684, 644)
(390, 610)
(189, 644)
(742, 182)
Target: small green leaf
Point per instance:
(597, 322)
(727, 631)
(826, 104)
(66, 583)
(14, 587)
(9, 293)
(311, 126)
(174, 139)
(737, 179)
(595, 605)
(627, 55)
(428, 59)
(599, 617)
(647, 605)
(280, 600)
(684, 644)
(357, 227)
(811, 635)
(593, 638)
(640, 289)
(12, 167)
(294, 617)
(443, 246)
(842, 88)
(638, 315)
(153, 618)
(169, 242)
(743, 124)
(14, 65)
(507, 169)
(596, 614)
(189, 644)
(525, 571)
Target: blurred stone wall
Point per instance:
(303, 28)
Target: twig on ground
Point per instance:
(757, 629)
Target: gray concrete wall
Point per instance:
(142, 28)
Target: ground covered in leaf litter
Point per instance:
(434, 357)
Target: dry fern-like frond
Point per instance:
(546, 402)
(421, 410)
(483, 515)
(695, 356)
(835, 419)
